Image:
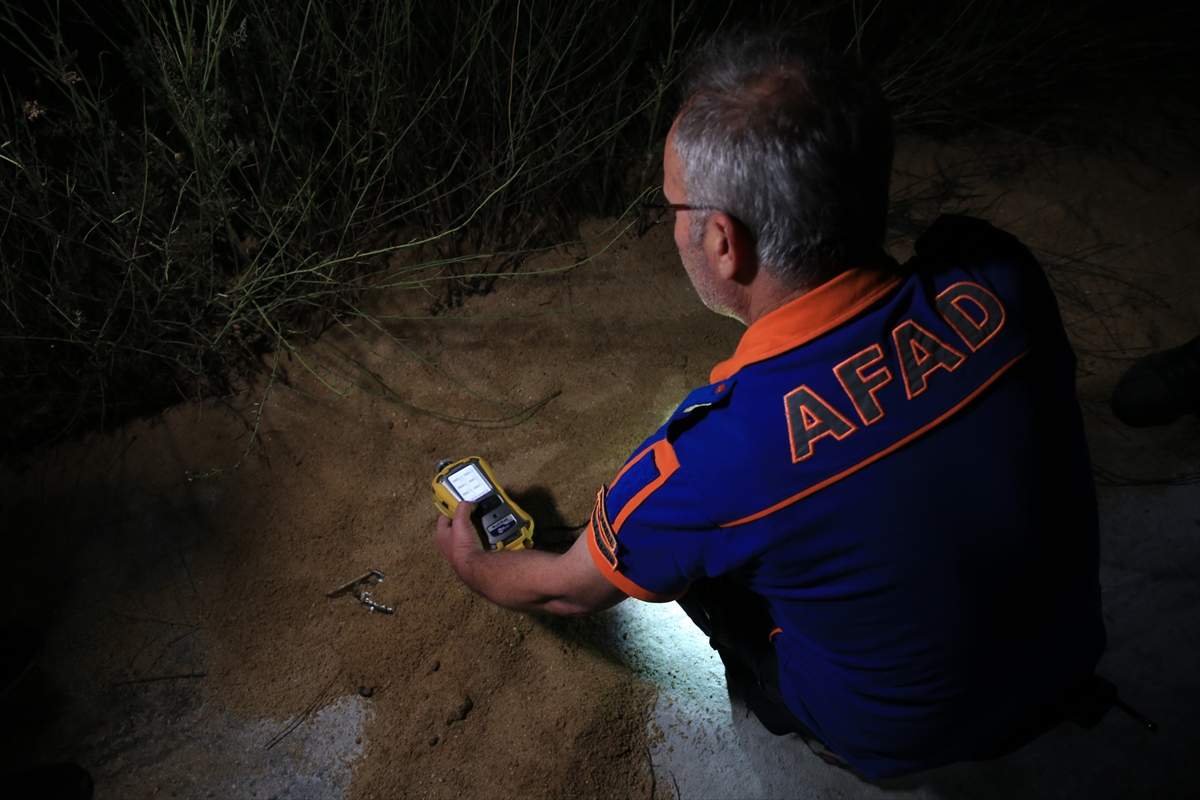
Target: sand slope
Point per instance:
(191, 648)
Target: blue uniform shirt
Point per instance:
(895, 461)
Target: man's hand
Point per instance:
(459, 541)
(525, 580)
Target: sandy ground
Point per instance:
(192, 652)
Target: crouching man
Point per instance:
(881, 509)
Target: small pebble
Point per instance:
(432, 740)
(460, 710)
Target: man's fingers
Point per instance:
(462, 519)
(462, 516)
(464, 528)
(459, 532)
(457, 538)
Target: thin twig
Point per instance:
(279, 737)
(653, 777)
(149, 618)
(158, 678)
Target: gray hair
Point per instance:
(794, 143)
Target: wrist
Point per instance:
(468, 566)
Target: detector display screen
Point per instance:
(469, 483)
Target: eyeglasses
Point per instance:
(655, 207)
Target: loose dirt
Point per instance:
(191, 648)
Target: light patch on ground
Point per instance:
(209, 754)
(705, 744)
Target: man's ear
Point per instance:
(730, 248)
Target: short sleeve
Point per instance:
(648, 533)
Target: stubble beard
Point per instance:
(695, 263)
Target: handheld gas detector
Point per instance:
(471, 479)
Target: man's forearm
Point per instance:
(526, 580)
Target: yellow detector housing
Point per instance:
(505, 526)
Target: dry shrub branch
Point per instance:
(187, 187)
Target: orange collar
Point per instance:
(812, 314)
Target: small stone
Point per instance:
(434, 667)
(431, 741)
(460, 709)
(366, 691)
(358, 740)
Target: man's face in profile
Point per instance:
(691, 248)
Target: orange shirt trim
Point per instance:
(618, 579)
(813, 313)
(835, 478)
